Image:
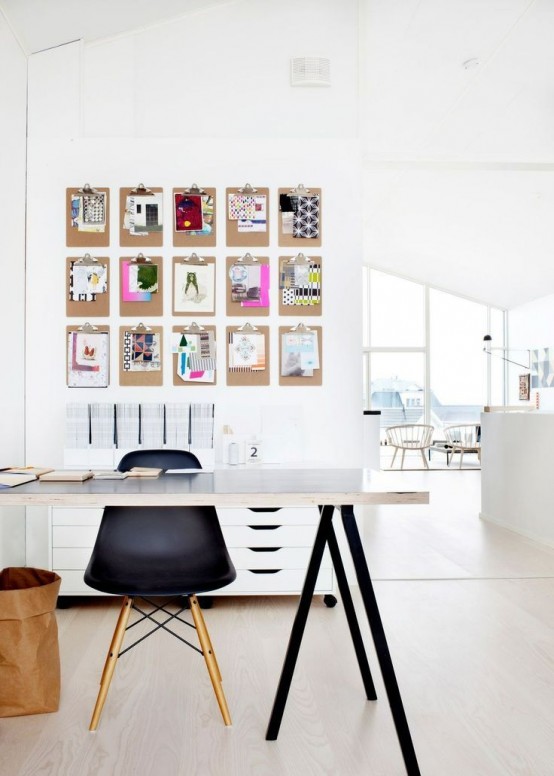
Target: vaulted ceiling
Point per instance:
(456, 127)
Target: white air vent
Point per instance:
(310, 71)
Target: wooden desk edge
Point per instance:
(218, 499)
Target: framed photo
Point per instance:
(525, 387)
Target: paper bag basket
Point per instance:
(29, 651)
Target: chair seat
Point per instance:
(185, 552)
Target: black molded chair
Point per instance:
(170, 552)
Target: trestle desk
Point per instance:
(329, 489)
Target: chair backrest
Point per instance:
(466, 435)
(162, 459)
(411, 435)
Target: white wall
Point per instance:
(13, 88)
(207, 101)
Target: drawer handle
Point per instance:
(263, 527)
(264, 549)
(264, 571)
(264, 509)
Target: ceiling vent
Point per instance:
(310, 71)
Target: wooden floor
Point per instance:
(469, 614)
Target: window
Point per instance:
(423, 358)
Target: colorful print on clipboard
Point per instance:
(88, 359)
(139, 280)
(195, 356)
(142, 352)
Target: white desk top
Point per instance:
(254, 487)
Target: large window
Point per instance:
(423, 353)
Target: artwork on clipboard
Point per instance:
(248, 279)
(247, 216)
(88, 216)
(140, 286)
(194, 286)
(300, 285)
(87, 286)
(142, 352)
(139, 280)
(194, 222)
(525, 387)
(299, 216)
(88, 357)
(248, 362)
(194, 351)
(300, 357)
(141, 216)
(89, 209)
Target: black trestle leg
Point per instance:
(350, 613)
(380, 641)
(299, 624)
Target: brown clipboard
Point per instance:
(100, 306)
(192, 330)
(147, 308)
(317, 378)
(126, 239)
(127, 377)
(301, 243)
(191, 261)
(193, 239)
(234, 238)
(76, 239)
(236, 308)
(297, 310)
(94, 330)
(248, 377)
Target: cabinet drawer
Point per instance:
(274, 558)
(74, 584)
(281, 516)
(71, 557)
(74, 536)
(76, 516)
(283, 581)
(269, 536)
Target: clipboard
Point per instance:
(192, 239)
(81, 239)
(317, 378)
(248, 377)
(303, 300)
(88, 328)
(193, 328)
(135, 307)
(99, 305)
(127, 341)
(181, 265)
(236, 308)
(153, 239)
(246, 239)
(288, 240)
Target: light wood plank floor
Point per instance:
(468, 610)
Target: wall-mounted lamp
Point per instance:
(487, 339)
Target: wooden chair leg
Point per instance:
(402, 459)
(461, 456)
(424, 458)
(393, 457)
(209, 657)
(111, 660)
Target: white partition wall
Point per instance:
(13, 94)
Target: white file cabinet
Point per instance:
(269, 547)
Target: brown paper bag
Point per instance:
(29, 653)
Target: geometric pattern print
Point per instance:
(294, 293)
(542, 368)
(127, 351)
(306, 217)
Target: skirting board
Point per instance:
(525, 534)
